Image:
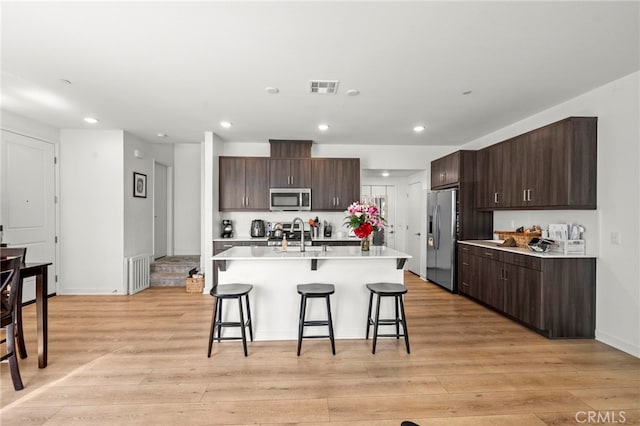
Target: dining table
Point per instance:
(40, 272)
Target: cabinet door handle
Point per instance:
(486, 253)
(465, 264)
(524, 195)
(528, 195)
(337, 201)
(495, 198)
(242, 201)
(247, 201)
(465, 249)
(291, 180)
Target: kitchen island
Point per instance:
(274, 273)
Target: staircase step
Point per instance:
(171, 271)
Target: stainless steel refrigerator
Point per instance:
(441, 238)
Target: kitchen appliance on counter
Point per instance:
(227, 229)
(294, 236)
(290, 199)
(442, 231)
(327, 230)
(257, 228)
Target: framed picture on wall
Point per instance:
(139, 185)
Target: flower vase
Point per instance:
(365, 243)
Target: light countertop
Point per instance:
(315, 252)
(493, 244)
(318, 239)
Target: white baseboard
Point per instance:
(618, 343)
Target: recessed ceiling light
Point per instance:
(271, 90)
(352, 92)
(467, 92)
(385, 174)
(225, 124)
(91, 120)
(161, 135)
(323, 127)
(419, 128)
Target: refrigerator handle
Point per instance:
(436, 219)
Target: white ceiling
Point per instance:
(180, 68)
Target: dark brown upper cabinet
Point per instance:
(244, 183)
(458, 170)
(553, 167)
(335, 183)
(284, 148)
(290, 173)
(445, 171)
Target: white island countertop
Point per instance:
(312, 252)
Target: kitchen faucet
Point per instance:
(293, 226)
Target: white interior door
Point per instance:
(160, 211)
(28, 202)
(414, 222)
(384, 197)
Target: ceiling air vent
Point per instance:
(324, 87)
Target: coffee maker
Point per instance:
(227, 229)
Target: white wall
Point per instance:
(187, 229)
(618, 268)
(28, 127)
(138, 212)
(91, 212)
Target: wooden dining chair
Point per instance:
(19, 329)
(9, 288)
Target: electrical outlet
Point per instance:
(615, 238)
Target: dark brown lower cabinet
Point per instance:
(553, 296)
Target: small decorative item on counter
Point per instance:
(364, 219)
(521, 238)
(285, 245)
(509, 242)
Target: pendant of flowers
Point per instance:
(364, 219)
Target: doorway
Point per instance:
(161, 209)
(384, 197)
(414, 226)
(28, 202)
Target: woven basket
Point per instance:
(194, 285)
(522, 239)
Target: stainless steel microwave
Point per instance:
(289, 199)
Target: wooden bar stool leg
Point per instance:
(396, 303)
(330, 321)
(303, 308)
(213, 327)
(249, 321)
(375, 324)
(219, 322)
(369, 315)
(242, 330)
(404, 325)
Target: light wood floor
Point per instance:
(120, 360)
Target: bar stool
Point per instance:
(396, 291)
(311, 291)
(230, 291)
